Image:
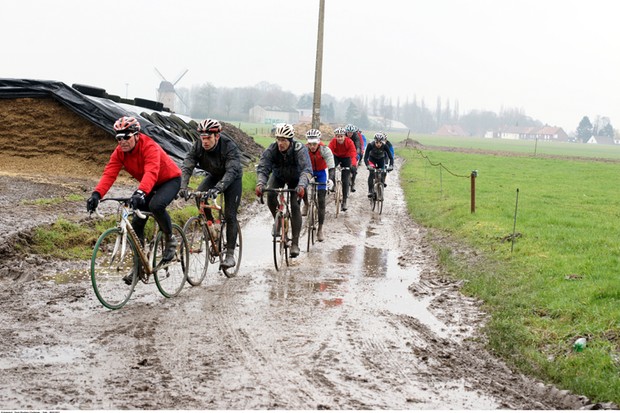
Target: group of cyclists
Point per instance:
(287, 161)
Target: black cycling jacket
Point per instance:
(290, 166)
(223, 162)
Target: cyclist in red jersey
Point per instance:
(322, 161)
(158, 176)
(345, 155)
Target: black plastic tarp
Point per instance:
(102, 112)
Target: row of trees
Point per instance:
(234, 104)
(601, 127)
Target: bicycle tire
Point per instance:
(310, 225)
(171, 278)
(338, 195)
(231, 271)
(198, 241)
(277, 245)
(108, 266)
(284, 239)
(380, 197)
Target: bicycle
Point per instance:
(207, 240)
(376, 200)
(118, 253)
(312, 220)
(281, 231)
(338, 189)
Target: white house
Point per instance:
(272, 115)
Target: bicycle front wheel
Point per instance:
(198, 241)
(170, 276)
(110, 263)
(338, 195)
(231, 271)
(280, 242)
(312, 220)
(379, 191)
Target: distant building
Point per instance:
(546, 133)
(602, 140)
(451, 130)
(272, 115)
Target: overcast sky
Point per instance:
(555, 59)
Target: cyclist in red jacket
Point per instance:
(345, 155)
(322, 161)
(158, 176)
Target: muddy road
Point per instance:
(364, 320)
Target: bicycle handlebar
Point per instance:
(276, 190)
(124, 201)
(203, 195)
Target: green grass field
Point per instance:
(561, 281)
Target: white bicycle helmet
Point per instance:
(209, 126)
(339, 131)
(284, 130)
(350, 128)
(380, 137)
(313, 136)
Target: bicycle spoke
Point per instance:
(171, 278)
(197, 240)
(108, 268)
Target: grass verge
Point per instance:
(557, 282)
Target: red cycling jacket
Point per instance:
(147, 162)
(344, 150)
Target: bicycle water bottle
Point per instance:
(211, 228)
(579, 344)
(217, 227)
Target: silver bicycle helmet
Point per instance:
(284, 130)
(313, 136)
(380, 137)
(350, 128)
(209, 126)
(339, 131)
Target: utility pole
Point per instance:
(316, 101)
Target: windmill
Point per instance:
(166, 93)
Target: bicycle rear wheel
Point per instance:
(170, 276)
(231, 271)
(110, 262)
(198, 241)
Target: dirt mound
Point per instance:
(40, 135)
(244, 140)
(301, 128)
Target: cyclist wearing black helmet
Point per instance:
(285, 161)
(219, 156)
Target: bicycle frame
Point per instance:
(283, 213)
(124, 225)
(210, 203)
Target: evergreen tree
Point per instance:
(584, 130)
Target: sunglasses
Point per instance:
(124, 136)
(205, 135)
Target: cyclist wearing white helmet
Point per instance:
(322, 161)
(219, 156)
(345, 155)
(285, 161)
(375, 155)
(158, 174)
(352, 133)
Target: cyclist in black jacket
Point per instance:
(220, 157)
(376, 154)
(285, 161)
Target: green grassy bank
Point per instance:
(561, 280)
